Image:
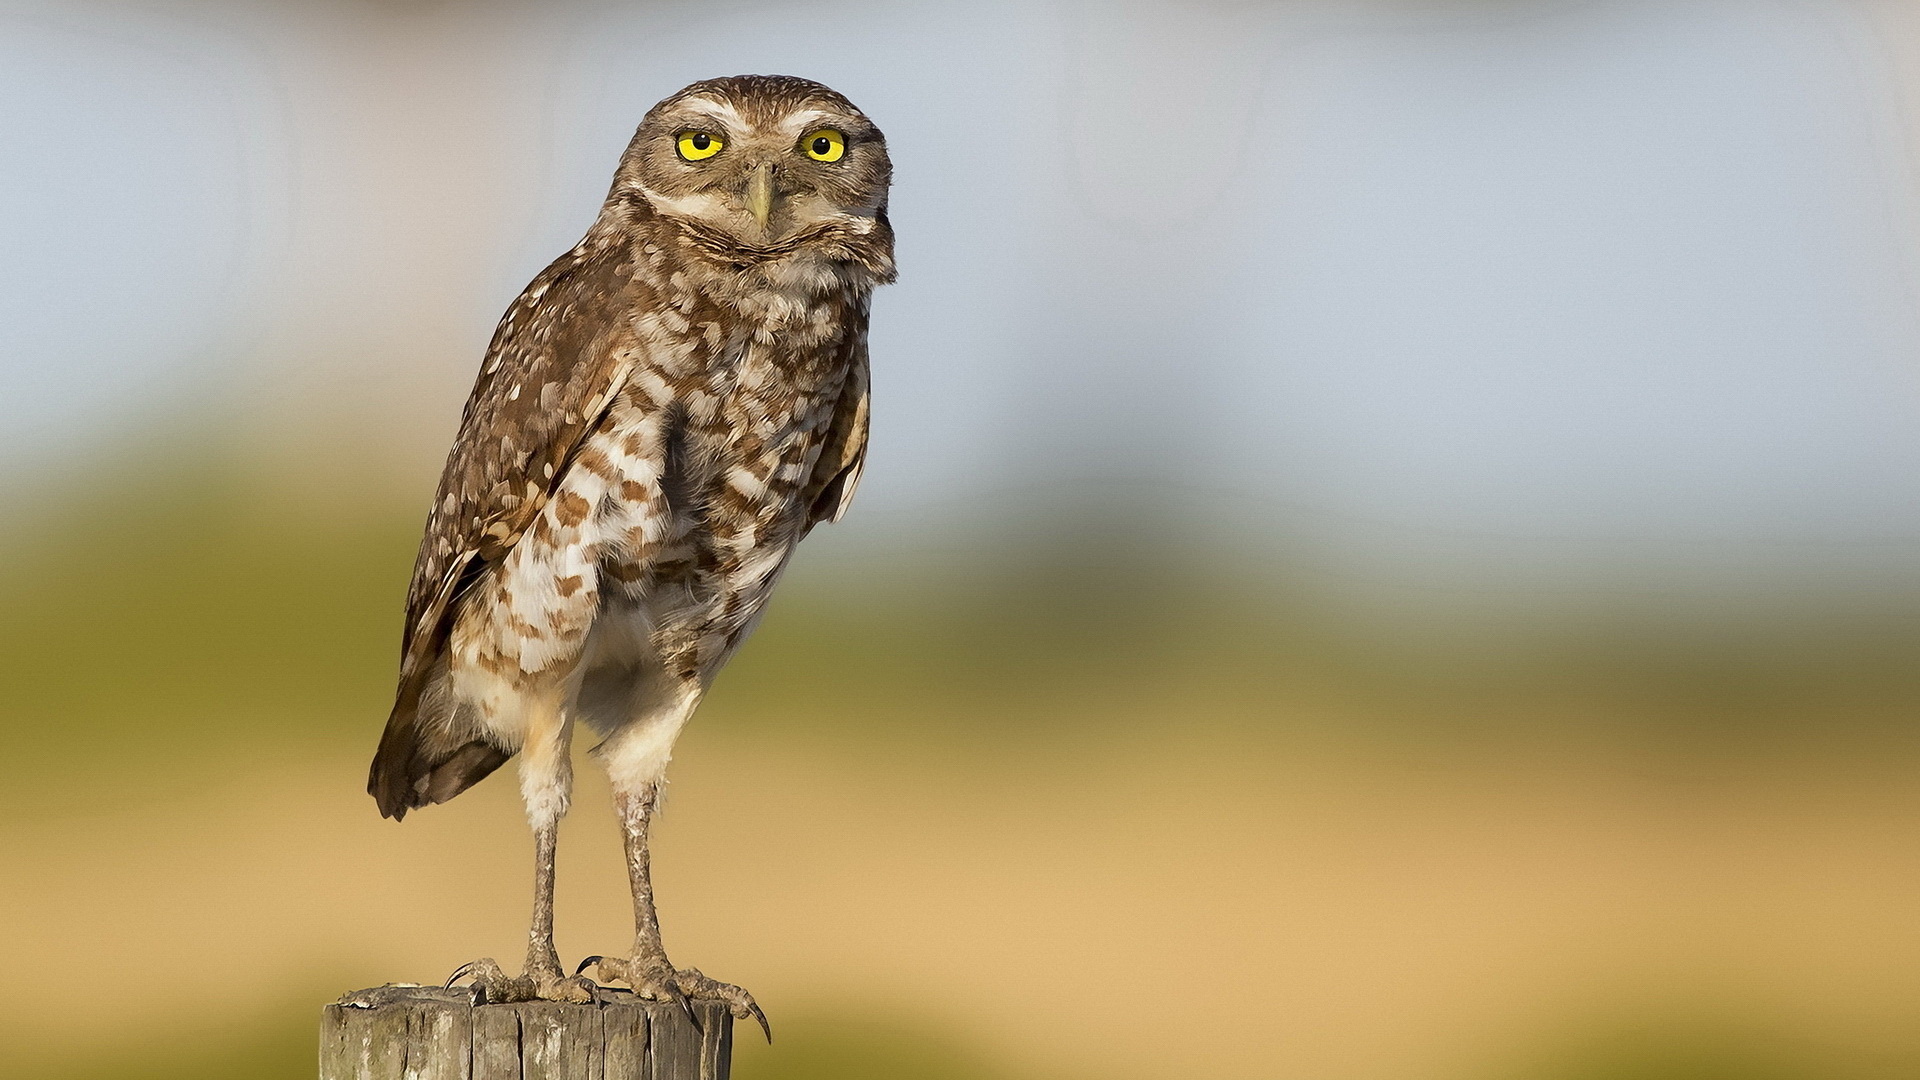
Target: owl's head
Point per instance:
(764, 166)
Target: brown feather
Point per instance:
(544, 385)
(660, 416)
(844, 454)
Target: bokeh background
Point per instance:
(1391, 548)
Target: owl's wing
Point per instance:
(843, 455)
(549, 376)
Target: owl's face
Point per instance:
(765, 162)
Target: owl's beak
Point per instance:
(760, 194)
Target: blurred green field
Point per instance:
(1064, 788)
(179, 603)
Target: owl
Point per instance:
(660, 419)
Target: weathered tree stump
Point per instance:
(427, 1033)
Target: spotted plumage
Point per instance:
(661, 417)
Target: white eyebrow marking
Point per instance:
(717, 110)
(690, 206)
(807, 119)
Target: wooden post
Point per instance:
(427, 1033)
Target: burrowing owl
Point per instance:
(661, 417)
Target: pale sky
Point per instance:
(1547, 288)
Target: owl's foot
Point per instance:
(540, 982)
(654, 979)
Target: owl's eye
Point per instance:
(825, 145)
(699, 145)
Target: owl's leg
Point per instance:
(636, 760)
(546, 785)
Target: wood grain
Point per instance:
(427, 1033)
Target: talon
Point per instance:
(587, 963)
(459, 973)
(765, 1027)
(686, 1007)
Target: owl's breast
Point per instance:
(743, 377)
(766, 434)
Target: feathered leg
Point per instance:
(546, 785)
(636, 760)
(636, 816)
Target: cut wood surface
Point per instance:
(427, 1033)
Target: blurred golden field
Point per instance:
(1086, 817)
(1390, 550)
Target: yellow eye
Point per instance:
(699, 145)
(825, 145)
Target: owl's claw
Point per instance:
(540, 982)
(459, 973)
(613, 969)
(765, 1028)
(488, 979)
(660, 981)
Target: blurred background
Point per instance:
(1391, 548)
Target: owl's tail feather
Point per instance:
(410, 771)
